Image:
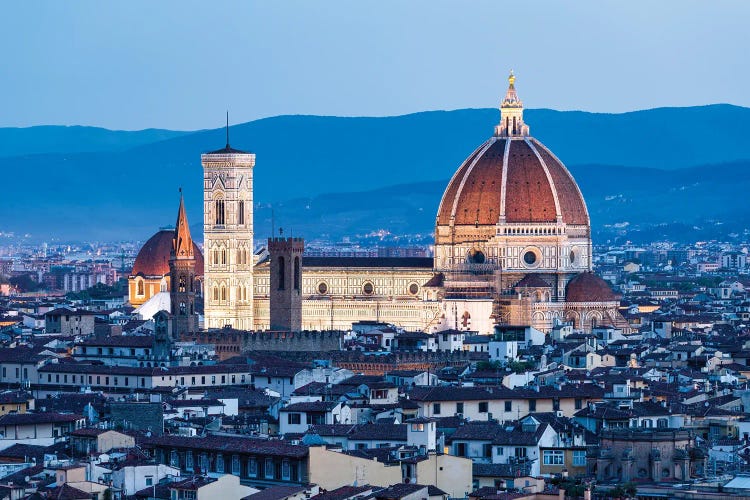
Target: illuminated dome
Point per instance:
(513, 206)
(153, 258)
(518, 181)
(511, 178)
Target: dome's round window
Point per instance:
(529, 258)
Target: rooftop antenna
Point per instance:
(273, 223)
(227, 129)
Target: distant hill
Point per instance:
(390, 171)
(692, 203)
(75, 139)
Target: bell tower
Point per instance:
(182, 277)
(228, 237)
(286, 283)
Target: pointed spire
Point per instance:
(511, 113)
(182, 244)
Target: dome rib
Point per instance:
(450, 191)
(558, 212)
(503, 186)
(575, 209)
(469, 170)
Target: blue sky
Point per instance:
(180, 64)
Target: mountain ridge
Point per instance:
(128, 193)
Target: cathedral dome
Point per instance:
(519, 181)
(153, 258)
(588, 287)
(510, 179)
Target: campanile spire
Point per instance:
(182, 245)
(511, 113)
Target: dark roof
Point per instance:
(71, 402)
(20, 355)
(23, 451)
(229, 444)
(331, 430)
(398, 491)
(37, 418)
(532, 281)
(15, 397)
(160, 491)
(311, 406)
(275, 493)
(228, 150)
(343, 493)
(437, 280)
(90, 432)
(498, 434)
(67, 492)
(119, 341)
(379, 432)
(497, 470)
(382, 262)
(71, 312)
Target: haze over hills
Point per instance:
(75, 139)
(388, 173)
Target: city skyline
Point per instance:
(136, 65)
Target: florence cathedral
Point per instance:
(512, 246)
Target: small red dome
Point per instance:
(588, 287)
(153, 258)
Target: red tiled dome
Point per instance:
(588, 287)
(531, 186)
(153, 258)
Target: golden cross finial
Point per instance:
(511, 78)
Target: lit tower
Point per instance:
(228, 237)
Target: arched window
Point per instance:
(219, 212)
(296, 273)
(183, 309)
(223, 293)
(282, 276)
(182, 287)
(241, 212)
(140, 288)
(216, 294)
(223, 256)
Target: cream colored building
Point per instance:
(224, 486)
(331, 469)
